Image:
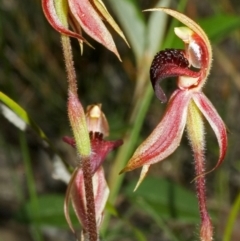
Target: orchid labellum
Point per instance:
(98, 129)
(187, 107)
(82, 14)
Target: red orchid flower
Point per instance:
(186, 108)
(82, 14)
(98, 129)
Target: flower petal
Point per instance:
(166, 137)
(100, 148)
(92, 24)
(143, 174)
(52, 17)
(101, 192)
(215, 122)
(169, 63)
(198, 38)
(67, 199)
(106, 15)
(96, 120)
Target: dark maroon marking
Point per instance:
(99, 148)
(168, 63)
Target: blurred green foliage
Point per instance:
(32, 74)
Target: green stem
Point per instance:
(34, 207)
(231, 219)
(141, 102)
(80, 131)
(115, 180)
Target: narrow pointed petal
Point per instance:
(101, 192)
(77, 28)
(100, 148)
(67, 199)
(215, 122)
(106, 15)
(166, 137)
(69, 140)
(52, 17)
(143, 174)
(92, 24)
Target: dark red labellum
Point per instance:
(100, 148)
(168, 63)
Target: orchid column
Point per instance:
(187, 107)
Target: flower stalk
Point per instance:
(81, 136)
(79, 126)
(98, 129)
(195, 130)
(70, 18)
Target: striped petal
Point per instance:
(106, 15)
(92, 24)
(76, 193)
(166, 137)
(215, 121)
(53, 18)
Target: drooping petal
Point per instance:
(101, 192)
(106, 15)
(169, 63)
(92, 24)
(68, 197)
(52, 17)
(215, 122)
(166, 137)
(77, 29)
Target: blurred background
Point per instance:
(164, 208)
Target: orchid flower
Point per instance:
(187, 107)
(98, 129)
(82, 14)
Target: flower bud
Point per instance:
(96, 120)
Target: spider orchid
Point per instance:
(82, 14)
(98, 129)
(186, 108)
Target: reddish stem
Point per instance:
(86, 167)
(68, 56)
(88, 185)
(206, 225)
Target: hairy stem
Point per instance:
(88, 186)
(195, 130)
(78, 123)
(68, 57)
